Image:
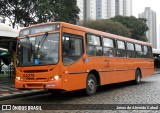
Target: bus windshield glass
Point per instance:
(38, 50)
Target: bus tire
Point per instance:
(91, 84)
(137, 77)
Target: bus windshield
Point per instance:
(38, 50)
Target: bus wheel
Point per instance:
(91, 84)
(137, 77)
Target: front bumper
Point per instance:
(39, 85)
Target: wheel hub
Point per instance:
(91, 84)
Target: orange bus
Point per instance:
(58, 56)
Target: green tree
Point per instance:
(17, 10)
(108, 26)
(137, 26)
(44, 11)
(66, 10)
(57, 10)
(30, 12)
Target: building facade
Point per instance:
(119, 6)
(111, 6)
(151, 34)
(80, 4)
(89, 9)
(103, 9)
(127, 7)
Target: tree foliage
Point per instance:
(57, 10)
(137, 26)
(108, 26)
(17, 11)
(30, 12)
(44, 11)
(66, 10)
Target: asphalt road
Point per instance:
(148, 92)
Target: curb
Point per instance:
(13, 96)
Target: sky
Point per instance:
(139, 7)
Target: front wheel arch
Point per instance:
(97, 75)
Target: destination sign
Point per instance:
(40, 29)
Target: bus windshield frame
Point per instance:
(38, 50)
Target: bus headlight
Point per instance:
(56, 77)
(19, 78)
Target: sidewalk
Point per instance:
(8, 91)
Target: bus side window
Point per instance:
(130, 48)
(94, 47)
(108, 48)
(145, 52)
(121, 51)
(139, 52)
(150, 52)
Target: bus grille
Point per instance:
(35, 71)
(37, 79)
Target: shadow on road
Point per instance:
(68, 96)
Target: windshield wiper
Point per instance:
(40, 44)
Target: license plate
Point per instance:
(29, 76)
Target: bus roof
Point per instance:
(96, 32)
